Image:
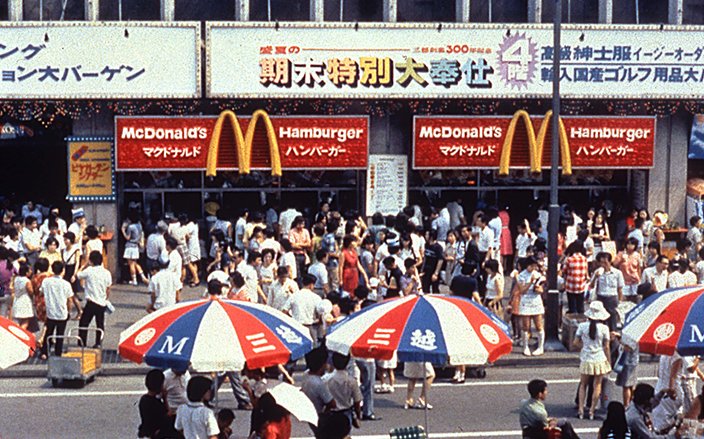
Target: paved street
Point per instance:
(107, 407)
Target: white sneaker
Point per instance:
(538, 352)
(526, 351)
(390, 388)
(133, 282)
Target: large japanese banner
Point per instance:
(90, 169)
(485, 142)
(184, 143)
(323, 60)
(100, 60)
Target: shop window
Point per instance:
(653, 11)
(136, 10)
(693, 12)
(426, 10)
(574, 11)
(4, 12)
(354, 10)
(279, 10)
(199, 10)
(162, 180)
(624, 12)
(189, 203)
(54, 10)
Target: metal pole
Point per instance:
(553, 302)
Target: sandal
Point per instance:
(408, 404)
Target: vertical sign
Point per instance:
(387, 184)
(90, 169)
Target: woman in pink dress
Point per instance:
(506, 242)
(351, 267)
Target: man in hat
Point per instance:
(78, 226)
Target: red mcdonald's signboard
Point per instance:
(522, 141)
(220, 143)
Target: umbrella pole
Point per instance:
(426, 390)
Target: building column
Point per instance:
(535, 11)
(317, 10)
(242, 10)
(462, 11)
(92, 10)
(667, 184)
(675, 11)
(101, 214)
(15, 11)
(391, 10)
(606, 11)
(168, 10)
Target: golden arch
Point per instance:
(535, 144)
(243, 143)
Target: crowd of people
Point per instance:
(321, 268)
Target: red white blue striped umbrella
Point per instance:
(215, 335)
(669, 321)
(15, 343)
(432, 328)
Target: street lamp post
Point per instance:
(553, 302)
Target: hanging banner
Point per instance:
(85, 60)
(387, 184)
(90, 169)
(184, 143)
(447, 142)
(371, 60)
(696, 139)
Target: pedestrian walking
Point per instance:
(97, 281)
(530, 286)
(59, 299)
(594, 364)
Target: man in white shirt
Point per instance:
(657, 275)
(344, 390)
(30, 240)
(609, 285)
(175, 260)
(485, 243)
(286, 218)
(320, 271)
(156, 246)
(165, 289)
(78, 226)
(302, 305)
(194, 419)
(281, 289)
(240, 227)
(59, 297)
(96, 281)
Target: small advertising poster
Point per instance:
(387, 184)
(90, 169)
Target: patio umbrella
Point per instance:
(295, 401)
(669, 321)
(215, 335)
(432, 328)
(15, 343)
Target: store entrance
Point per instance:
(34, 164)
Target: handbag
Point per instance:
(515, 300)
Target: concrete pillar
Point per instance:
(101, 214)
(535, 11)
(462, 10)
(667, 184)
(242, 10)
(606, 11)
(317, 10)
(92, 10)
(168, 10)
(15, 10)
(390, 10)
(675, 11)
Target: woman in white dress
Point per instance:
(22, 291)
(594, 363)
(531, 309)
(134, 235)
(194, 254)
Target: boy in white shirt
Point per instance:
(97, 281)
(165, 288)
(59, 297)
(194, 419)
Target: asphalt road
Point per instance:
(482, 408)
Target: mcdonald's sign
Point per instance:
(228, 142)
(522, 141)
